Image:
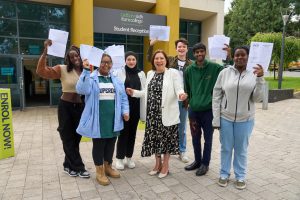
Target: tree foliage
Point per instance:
(246, 18)
(291, 48)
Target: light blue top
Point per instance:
(88, 85)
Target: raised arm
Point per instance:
(45, 71)
(84, 83)
(150, 50)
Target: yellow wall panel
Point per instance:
(82, 31)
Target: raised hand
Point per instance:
(258, 70)
(228, 50)
(153, 41)
(86, 64)
(47, 43)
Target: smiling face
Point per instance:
(240, 58)
(181, 49)
(131, 61)
(75, 58)
(199, 54)
(105, 65)
(160, 62)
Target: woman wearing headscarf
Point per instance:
(133, 78)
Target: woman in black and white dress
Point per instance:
(162, 91)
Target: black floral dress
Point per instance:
(159, 139)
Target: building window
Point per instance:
(8, 70)
(191, 30)
(28, 24)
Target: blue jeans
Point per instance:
(182, 127)
(234, 136)
(201, 120)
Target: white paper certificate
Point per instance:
(216, 45)
(161, 33)
(260, 53)
(92, 54)
(117, 54)
(59, 42)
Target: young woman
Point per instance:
(234, 95)
(133, 78)
(102, 118)
(163, 90)
(70, 106)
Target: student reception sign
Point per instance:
(125, 22)
(6, 129)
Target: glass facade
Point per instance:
(130, 42)
(23, 28)
(191, 30)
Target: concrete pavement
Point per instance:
(36, 171)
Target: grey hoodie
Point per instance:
(234, 95)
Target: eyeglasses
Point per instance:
(105, 62)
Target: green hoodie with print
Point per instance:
(199, 82)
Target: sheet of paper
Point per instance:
(93, 54)
(216, 45)
(117, 54)
(260, 53)
(161, 33)
(59, 42)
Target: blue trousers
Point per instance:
(201, 121)
(182, 127)
(234, 136)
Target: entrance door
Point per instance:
(36, 88)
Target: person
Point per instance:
(200, 78)
(179, 62)
(133, 78)
(162, 91)
(102, 117)
(234, 96)
(70, 106)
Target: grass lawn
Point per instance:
(287, 83)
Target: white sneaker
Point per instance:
(119, 164)
(183, 157)
(130, 163)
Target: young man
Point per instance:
(200, 78)
(179, 62)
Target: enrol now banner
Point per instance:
(125, 22)
(6, 129)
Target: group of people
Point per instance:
(106, 105)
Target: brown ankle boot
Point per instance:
(109, 171)
(100, 175)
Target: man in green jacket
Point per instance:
(200, 78)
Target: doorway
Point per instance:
(36, 88)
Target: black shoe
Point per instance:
(84, 174)
(192, 166)
(70, 172)
(203, 169)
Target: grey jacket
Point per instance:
(235, 94)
